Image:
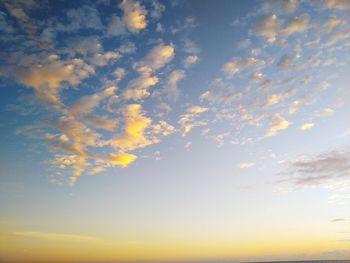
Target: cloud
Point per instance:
(138, 132)
(138, 88)
(96, 170)
(190, 60)
(84, 45)
(134, 15)
(135, 124)
(246, 165)
(72, 144)
(47, 77)
(171, 90)
(306, 126)
(256, 76)
(190, 119)
(313, 42)
(238, 64)
(276, 98)
(336, 4)
(84, 17)
(119, 73)
(277, 123)
(332, 22)
(189, 46)
(18, 9)
(158, 57)
(337, 37)
(157, 9)
(163, 128)
(285, 6)
(56, 237)
(284, 62)
(196, 109)
(102, 122)
(268, 27)
(115, 26)
(208, 96)
(120, 159)
(102, 59)
(320, 169)
(86, 104)
(92, 50)
(297, 24)
(338, 220)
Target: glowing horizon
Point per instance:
(174, 130)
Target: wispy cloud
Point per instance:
(56, 237)
(320, 169)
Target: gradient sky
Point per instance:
(174, 130)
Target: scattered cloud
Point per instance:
(298, 24)
(277, 123)
(171, 89)
(134, 15)
(158, 57)
(276, 98)
(268, 27)
(47, 77)
(115, 26)
(135, 124)
(87, 104)
(190, 60)
(138, 88)
(235, 65)
(246, 165)
(306, 126)
(191, 119)
(111, 113)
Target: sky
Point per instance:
(155, 131)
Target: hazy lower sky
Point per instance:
(174, 130)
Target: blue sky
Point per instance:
(150, 124)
